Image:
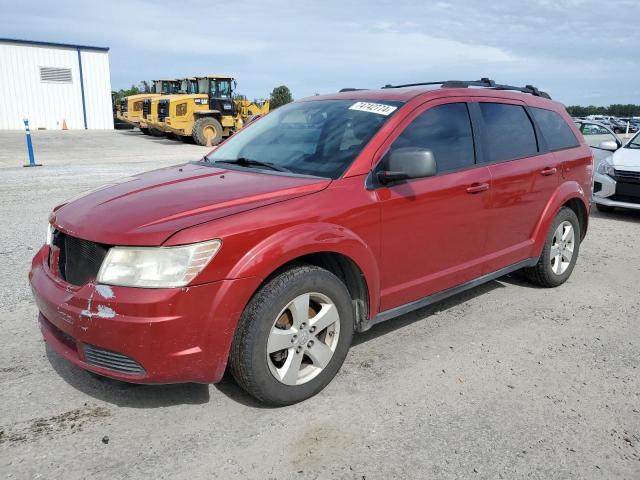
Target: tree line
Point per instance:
(616, 110)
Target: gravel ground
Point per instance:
(504, 381)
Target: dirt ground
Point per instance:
(504, 381)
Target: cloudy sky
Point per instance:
(581, 51)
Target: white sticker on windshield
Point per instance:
(370, 107)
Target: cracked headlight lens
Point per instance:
(156, 267)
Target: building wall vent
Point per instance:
(55, 75)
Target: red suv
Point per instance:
(325, 217)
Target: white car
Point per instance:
(616, 179)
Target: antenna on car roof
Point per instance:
(483, 83)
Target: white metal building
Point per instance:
(54, 84)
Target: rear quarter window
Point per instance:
(555, 130)
(509, 132)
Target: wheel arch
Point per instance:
(328, 246)
(580, 209)
(570, 195)
(347, 270)
(206, 113)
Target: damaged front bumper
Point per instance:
(135, 334)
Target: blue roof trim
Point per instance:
(53, 44)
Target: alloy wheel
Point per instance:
(562, 246)
(303, 338)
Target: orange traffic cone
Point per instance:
(64, 124)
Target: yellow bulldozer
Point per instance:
(209, 115)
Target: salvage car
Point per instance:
(600, 138)
(616, 181)
(324, 218)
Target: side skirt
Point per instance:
(436, 297)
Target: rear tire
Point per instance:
(560, 252)
(145, 131)
(604, 208)
(207, 127)
(155, 132)
(293, 336)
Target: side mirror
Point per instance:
(610, 145)
(407, 163)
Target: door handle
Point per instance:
(478, 187)
(548, 171)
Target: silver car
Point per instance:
(616, 178)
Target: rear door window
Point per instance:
(509, 132)
(446, 131)
(555, 130)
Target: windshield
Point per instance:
(634, 143)
(221, 88)
(320, 138)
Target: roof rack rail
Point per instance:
(350, 89)
(483, 82)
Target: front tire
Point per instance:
(560, 251)
(207, 128)
(293, 336)
(145, 131)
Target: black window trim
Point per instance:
(532, 117)
(541, 144)
(371, 181)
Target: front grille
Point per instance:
(79, 260)
(123, 105)
(626, 191)
(627, 176)
(163, 109)
(112, 361)
(146, 107)
(624, 198)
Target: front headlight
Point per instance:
(156, 267)
(605, 167)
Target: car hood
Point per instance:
(627, 159)
(147, 209)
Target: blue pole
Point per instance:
(32, 159)
(84, 105)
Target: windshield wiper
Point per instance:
(247, 162)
